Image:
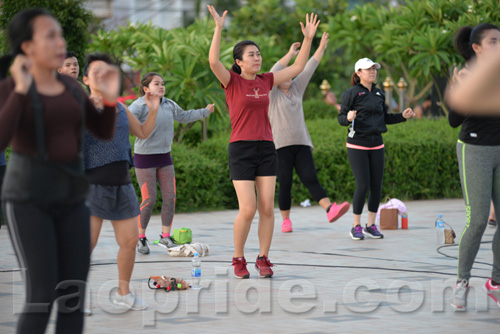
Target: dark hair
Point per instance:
(146, 80)
(70, 54)
(95, 57)
(238, 50)
(467, 36)
(355, 79)
(20, 30)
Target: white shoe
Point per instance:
(87, 311)
(129, 302)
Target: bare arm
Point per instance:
(309, 30)
(216, 65)
(143, 131)
(477, 91)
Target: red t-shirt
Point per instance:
(248, 102)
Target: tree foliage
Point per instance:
(74, 19)
(180, 55)
(413, 41)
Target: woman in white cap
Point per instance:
(364, 110)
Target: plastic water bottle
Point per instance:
(440, 229)
(196, 272)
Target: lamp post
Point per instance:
(402, 85)
(325, 87)
(388, 84)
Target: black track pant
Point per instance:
(52, 244)
(300, 157)
(368, 169)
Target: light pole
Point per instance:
(388, 84)
(402, 94)
(325, 87)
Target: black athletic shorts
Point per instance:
(248, 159)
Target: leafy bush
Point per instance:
(420, 163)
(318, 109)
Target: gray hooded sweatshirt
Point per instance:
(160, 140)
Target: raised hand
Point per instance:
(219, 21)
(152, 100)
(211, 107)
(294, 49)
(20, 71)
(108, 82)
(324, 41)
(312, 23)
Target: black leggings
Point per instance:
(300, 157)
(52, 244)
(368, 169)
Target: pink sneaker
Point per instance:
(493, 291)
(337, 211)
(286, 226)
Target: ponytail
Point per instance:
(462, 43)
(355, 79)
(236, 68)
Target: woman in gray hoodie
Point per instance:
(152, 159)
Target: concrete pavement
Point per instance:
(324, 281)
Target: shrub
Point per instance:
(420, 164)
(316, 108)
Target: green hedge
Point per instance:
(420, 163)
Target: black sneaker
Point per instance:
(492, 223)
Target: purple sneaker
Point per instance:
(357, 233)
(372, 232)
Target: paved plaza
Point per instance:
(324, 281)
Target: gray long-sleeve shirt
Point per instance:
(160, 140)
(285, 111)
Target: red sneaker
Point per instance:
(337, 211)
(263, 266)
(240, 267)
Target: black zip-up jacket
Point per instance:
(371, 117)
(476, 130)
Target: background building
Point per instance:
(167, 14)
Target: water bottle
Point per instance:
(404, 221)
(440, 229)
(196, 272)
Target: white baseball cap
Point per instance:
(365, 63)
